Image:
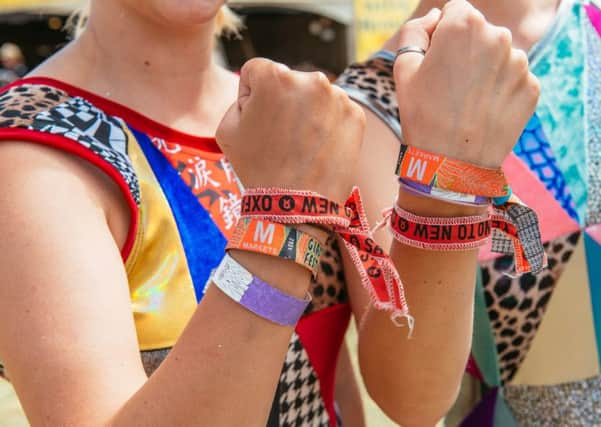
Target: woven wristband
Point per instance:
(439, 234)
(257, 296)
(279, 240)
(445, 195)
(376, 270)
(440, 173)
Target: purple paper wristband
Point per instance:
(447, 196)
(257, 296)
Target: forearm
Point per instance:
(415, 380)
(226, 358)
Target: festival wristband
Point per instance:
(279, 240)
(438, 171)
(418, 189)
(439, 233)
(293, 207)
(257, 296)
(376, 270)
(509, 213)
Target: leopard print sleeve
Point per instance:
(371, 84)
(48, 115)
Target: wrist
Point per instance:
(282, 274)
(427, 206)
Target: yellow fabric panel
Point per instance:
(376, 21)
(564, 348)
(161, 288)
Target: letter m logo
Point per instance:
(417, 167)
(264, 234)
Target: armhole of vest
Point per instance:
(361, 98)
(354, 91)
(73, 147)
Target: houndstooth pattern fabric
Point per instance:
(300, 398)
(526, 223)
(500, 243)
(152, 359)
(104, 135)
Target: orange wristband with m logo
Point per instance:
(279, 240)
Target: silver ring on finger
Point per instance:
(409, 49)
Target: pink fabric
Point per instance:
(554, 221)
(595, 232)
(594, 15)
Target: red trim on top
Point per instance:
(71, 146)
(473, 369)
(132, 117)
(321, 334)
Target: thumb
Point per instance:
(415, 33)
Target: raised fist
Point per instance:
(471, 95)
(292, 129)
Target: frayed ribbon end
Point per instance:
(401, 319)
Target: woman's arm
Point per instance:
(68, 338)
(413, 380)
(469, 98)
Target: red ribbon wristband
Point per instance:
(376, 270)
(442, 234)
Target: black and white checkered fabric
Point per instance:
(526, 223)
(300, 398)
(104, 135)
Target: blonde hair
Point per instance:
(226, 22)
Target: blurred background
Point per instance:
(323, 35)
(318, 34)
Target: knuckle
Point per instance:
(503, 37)
(286, 77)
(340, 94)
(255, 65)
(455, 4)
(320, 80)
(533, 86)
(315, 84)
(520, 61)
(473, 18)
(358, 115)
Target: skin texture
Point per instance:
(441, 298)
(528, 20)
(70, 344)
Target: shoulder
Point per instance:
(33, 111)
(20, 103)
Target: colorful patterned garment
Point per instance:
(184, 200)
(536, 373)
